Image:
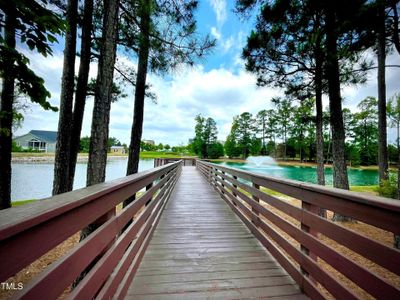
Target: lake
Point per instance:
(35, 180)
(307, 174)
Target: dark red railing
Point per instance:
(293, 233)
(114, 249)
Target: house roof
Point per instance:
(46, 136)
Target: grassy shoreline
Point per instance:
(155, 154)
(49, 157)
(297, 163)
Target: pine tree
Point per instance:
(36, 27)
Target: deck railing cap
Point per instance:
(386, 203)
(16, 219)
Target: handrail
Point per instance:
(27, 232)
(163, 161)
(263, 214)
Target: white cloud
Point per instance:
(219, 7)
(354, 94)
(219, 93)
(228, 44)
(215, 33)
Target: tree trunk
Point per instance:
(263, 150)
(396, 38)
(81, 90)
(96, 171)
(6, 113)
(382, 136)
(137, 126)
(328, 154)
(397, 237)
(340, 179)
(319, 120)
(284, 150)
(301, 148)
(101, 113)
(61, 163)
(398, 159)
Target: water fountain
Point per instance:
(260, 161)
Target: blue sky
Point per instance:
(217, 86)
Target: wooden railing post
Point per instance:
(315, 210)
(223, 185)
(235, 186)
(210, 175)
(255, 211)
(273, 230)
(149, 186)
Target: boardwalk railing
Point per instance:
(114, 249)
(299, 238)
(163, 161)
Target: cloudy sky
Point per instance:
(216, 87)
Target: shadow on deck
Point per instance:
(234, 241)
(201, 249)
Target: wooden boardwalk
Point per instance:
(201, 249)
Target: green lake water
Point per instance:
(307, 174)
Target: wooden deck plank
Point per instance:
(201, 249)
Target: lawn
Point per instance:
(19, 203)
(156, 154)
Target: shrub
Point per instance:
(15, 147)
(215, 150)
(388, 188)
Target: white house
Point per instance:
(38, 140)
(118, 149)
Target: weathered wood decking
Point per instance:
(201, 249)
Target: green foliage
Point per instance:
(205, 136)
(255, 146)
(84, 144)
(388, 188)
(15, 147)
(173, 36)
(112, 141)
(365, 130)
(230, 146)
(353, 155)
(393, 110)
(116, 90)
(245, 132)
(36, 27)
(215, 150)
(147, 146)
(30, 150)
(270, 148)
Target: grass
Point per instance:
(371, 189)
(143, 154)
(22, 202)
(156, 154)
